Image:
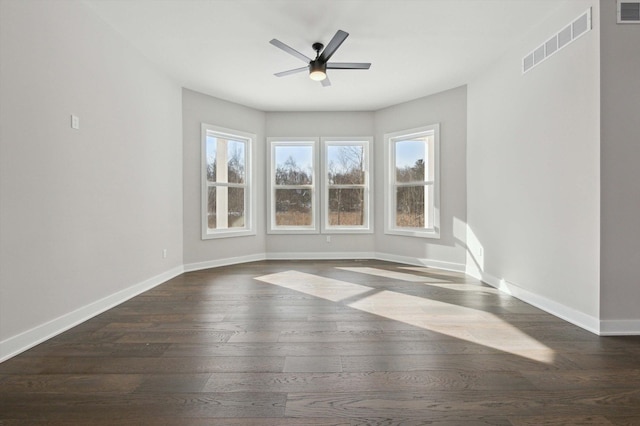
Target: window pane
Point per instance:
(293, 207)
(236, 161)
(235, 215)
(211, 209)
(294, 165)
(225, 208)
(210, 149)
(410, 160)
(225, 160)
(345, 164)
(346, 207)
(410, 206)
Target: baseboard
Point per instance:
(198, 266)
(429, 263)
(19, 343)
(320, 255)
(559, 310)
(620, 328)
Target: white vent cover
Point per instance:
(628, 11)
(561, 39)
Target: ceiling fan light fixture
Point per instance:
(317, 75)
(317, 72)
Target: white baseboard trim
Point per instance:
(429, 263)
(559, 310)
(198, 266)
(620, 328)
(320, 255)
(21, 342)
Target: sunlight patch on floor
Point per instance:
(314, 285)
(473, 286)
(417, 311)
(394, 275)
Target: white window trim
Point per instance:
(314, 228)
(367, 227)
(250, 196)
(390, 193)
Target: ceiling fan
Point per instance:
(318, 67)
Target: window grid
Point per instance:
(412, 195)
(297, 212)
(227, 198)
(353, 158)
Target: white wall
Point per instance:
(319, 124)
(85, 213)
(620, 174)
(533, 172)
(448, 108)
(197, 109)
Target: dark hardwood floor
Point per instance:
(324, 343)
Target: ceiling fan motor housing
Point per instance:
(317, 65)
(317, 70)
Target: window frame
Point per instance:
(250, 200)
(433, 209)
(365, 142)
(272, 228)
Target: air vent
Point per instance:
(628, 11)
(558, 41)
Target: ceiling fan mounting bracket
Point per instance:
(317, 46)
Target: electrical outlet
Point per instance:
(164, 253)
(328, 238)
(75, 122)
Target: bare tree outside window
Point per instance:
(410, 200)
(346, 181)
(226, 173)
(413, 181)
(293, 192)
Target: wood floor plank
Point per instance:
(70, 383)
(403, 381)
(463, 405)
(491, 362)
(312, 364)
(119, 407)
(203, 421)
(401, 345)
(560, 421)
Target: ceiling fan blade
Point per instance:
(348, 65)
(293, 71)
(326, 82)
(333, 45)
(290, 50)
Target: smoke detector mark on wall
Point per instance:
(558, 41)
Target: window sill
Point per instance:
(228, 234)
(416, 233)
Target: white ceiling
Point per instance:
(416, 47)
